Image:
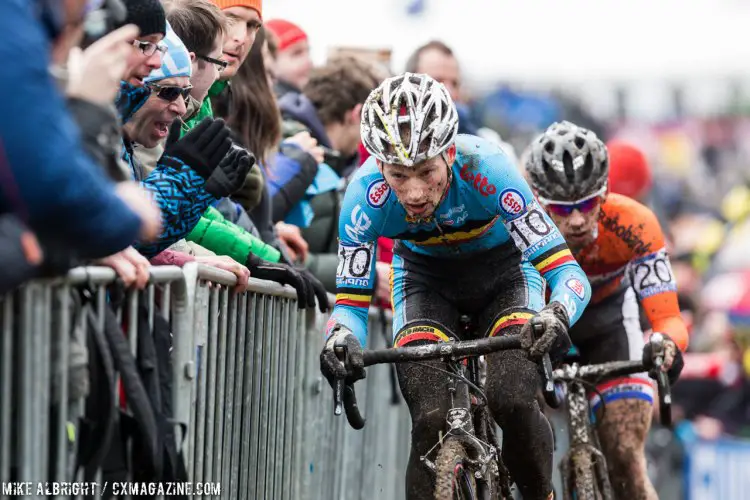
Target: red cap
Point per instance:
(629, 171)
(287, 33)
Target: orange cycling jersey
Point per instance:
(629, 250)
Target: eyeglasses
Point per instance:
(170, 92)
(220, 65)
(565, 208)
(149, 48)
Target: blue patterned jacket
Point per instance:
(179, 193)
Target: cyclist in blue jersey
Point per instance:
(470, 239)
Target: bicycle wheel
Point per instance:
(454, 481)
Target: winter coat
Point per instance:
(46, 178)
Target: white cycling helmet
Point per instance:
(408, 119)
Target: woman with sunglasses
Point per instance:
(619, 244)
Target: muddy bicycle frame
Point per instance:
(470, 422)
(584, 454)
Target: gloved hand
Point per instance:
(202, 149)
(330, 366)
(251, 192)
(555, 340)
(673, 361)
(231, 172)
(282, 274)
(317, 288)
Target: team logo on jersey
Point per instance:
(479, 181)
(377, 193)
(512, 202)
(577, 287)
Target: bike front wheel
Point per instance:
(454, 479)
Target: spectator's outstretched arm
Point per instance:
(223, 237)
(45, 176)
(182, 199)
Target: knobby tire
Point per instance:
(453, 479)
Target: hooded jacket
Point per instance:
(180, 194)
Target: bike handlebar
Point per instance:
(344, 395)
(621, 368)
(441, 350)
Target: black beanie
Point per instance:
(148, 15)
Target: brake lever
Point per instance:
(658, 354)
(549, 392)
(340, 350)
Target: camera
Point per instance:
(104, 16)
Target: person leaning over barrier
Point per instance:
(71, 202)
(194, 171)
(91, 78)
(221, 236)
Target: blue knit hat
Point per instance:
(175, 62)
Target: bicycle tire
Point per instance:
(453, 481)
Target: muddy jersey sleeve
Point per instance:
(359, 227)
(537, 237)
(653, 279)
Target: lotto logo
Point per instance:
(377, 193)
(577, 287)
(512, 202)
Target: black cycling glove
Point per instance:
(354, 367)
(202, 149)
(231, 173)
(678, 363)
(555, 340)
(317, 288)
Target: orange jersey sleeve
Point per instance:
(649, 270)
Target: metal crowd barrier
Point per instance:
(246, 386)
(43, 366)
(260, 413)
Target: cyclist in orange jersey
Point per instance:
(620, 246)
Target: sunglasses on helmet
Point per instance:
(170, 92)
(565, 208)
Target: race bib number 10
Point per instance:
(531, 230)
(355, 265)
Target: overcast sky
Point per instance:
(542, 40)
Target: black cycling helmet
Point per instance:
(567, 163)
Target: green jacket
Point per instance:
(222, 237)
(213, 231)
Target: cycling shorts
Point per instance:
(611, 331)
(429, 294)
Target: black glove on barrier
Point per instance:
(678, 363)
(231, 173)
(282, 274)
(317, 288)
(202, 149)
(554, 340)
(332, 368)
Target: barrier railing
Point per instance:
(246, 387)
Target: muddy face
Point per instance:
(419, 188)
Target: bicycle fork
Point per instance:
(582, 450)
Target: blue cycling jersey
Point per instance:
(488, 204)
